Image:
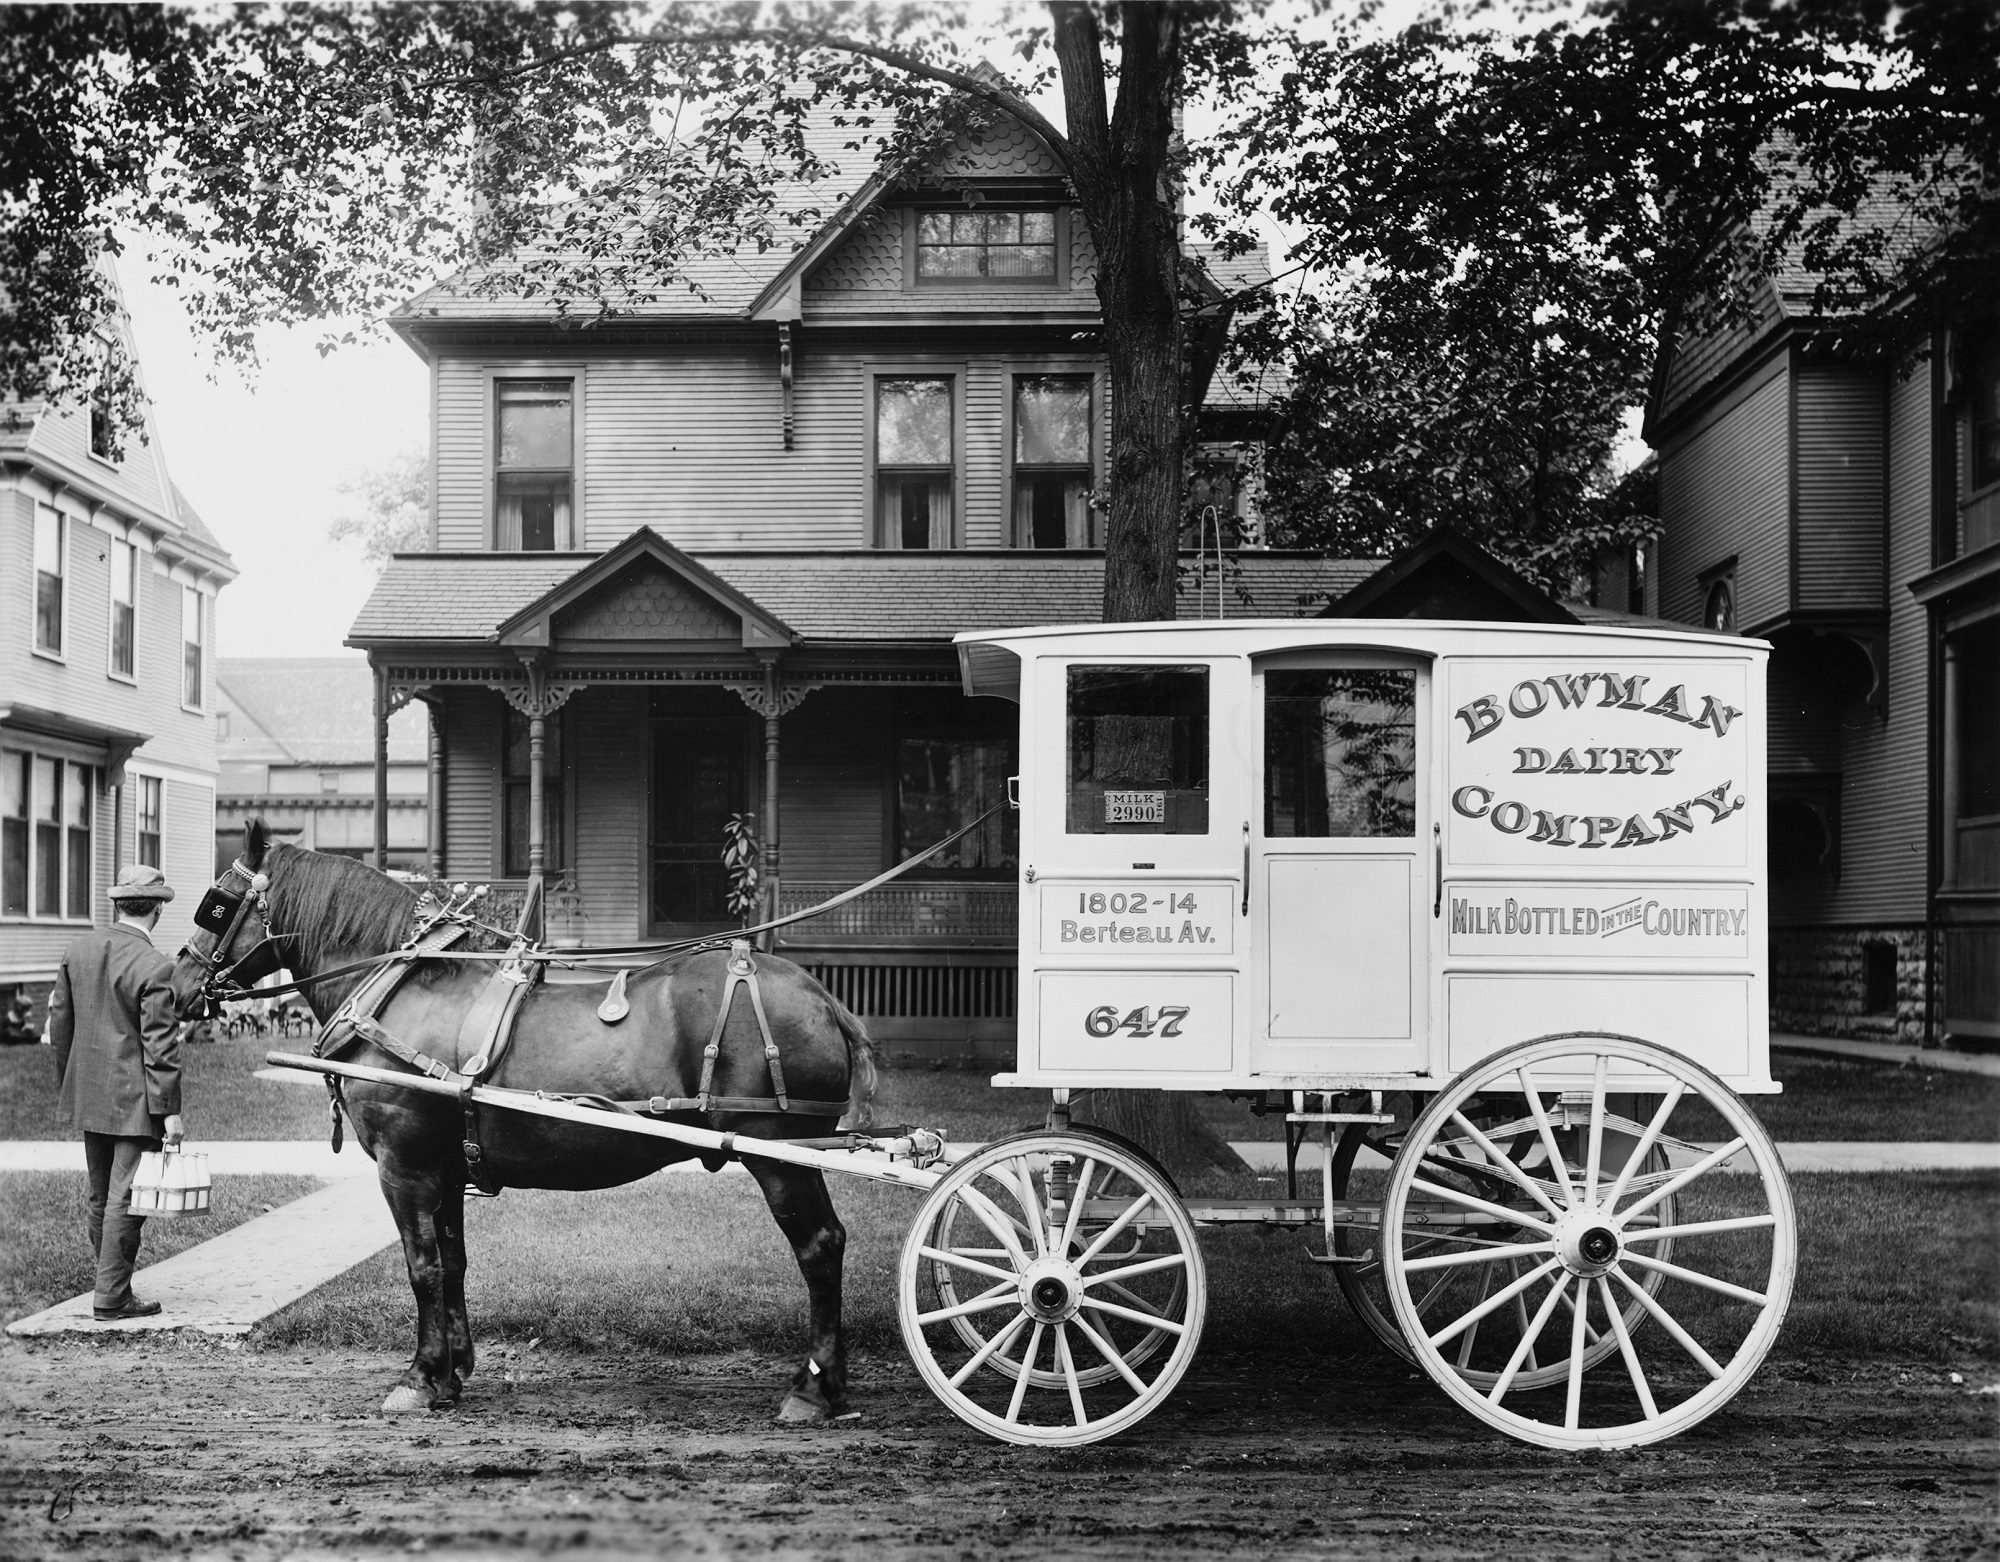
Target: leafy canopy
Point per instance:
(1510, 222)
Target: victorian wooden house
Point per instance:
(1848, 511)
(108, 583)
(706, 558)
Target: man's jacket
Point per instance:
(111, 1020)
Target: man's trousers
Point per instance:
(112, 1161)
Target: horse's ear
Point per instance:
(256, 839)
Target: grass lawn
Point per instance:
(223, 1096)
(45, 1256)
(1900, 1266)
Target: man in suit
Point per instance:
(112, 1023)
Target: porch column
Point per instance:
(381, 768)
(771, 700)
(538, 700)
(1948, 755)
(434, 823)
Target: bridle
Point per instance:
(222, 913)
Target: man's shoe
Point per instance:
(132, 1309)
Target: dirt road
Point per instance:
(180, 1450)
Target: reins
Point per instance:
(571, 960)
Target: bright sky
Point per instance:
(263, 461)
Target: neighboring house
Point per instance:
(1849, 512)
(295, 739)
(108, 583)
(708, 557)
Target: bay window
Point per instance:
(1052, 471)
(535, 453)
(48, 810)
(51, 577)
(914, 460)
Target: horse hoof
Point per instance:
(798, 1410)
(404, 1400)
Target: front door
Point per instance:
(1340, 872)
(699, 773)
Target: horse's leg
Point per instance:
(451, 1244)
(798, 1199)
(415, 1193)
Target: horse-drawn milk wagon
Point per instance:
(1478, 909)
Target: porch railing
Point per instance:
(907, 915)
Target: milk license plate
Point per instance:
(1135, 807)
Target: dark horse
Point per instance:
(313, 913)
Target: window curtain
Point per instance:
(532, 517)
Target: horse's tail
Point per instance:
(861, 1077)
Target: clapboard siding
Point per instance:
(690, 442)
(187, 855)
(471, 730)
(137, 481)
(1725, 491)
(1840, 498)
(605, 754)
(831, 785)
(80, 685)
(458, 387)
(1885, 763)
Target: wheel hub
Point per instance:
(1588, 1243)
(1051, 1290)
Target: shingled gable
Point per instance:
(648, 584)
(1449, 577)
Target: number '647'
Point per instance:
(1105, 1020)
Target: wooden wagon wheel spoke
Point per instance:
(1637, 1373)
(1493, 1302)
(1647, 1140)
(1696, 1277)
(1005, 1294)
(1471, 1335)
(990, 1349)
(1506, 1165)
(1686, 1341)
(1685, 1177)
(1112, 1309)
(1477, 1255)
(1594, 1155)
(1079, 1196)
(1511, 1217)
(1110, 1353)
(1524, 1351)
(1548, 1133)
(1021, 1379)
(1069, 1376)
(1700, 1228)
(958, 1258)
(1128, 1271)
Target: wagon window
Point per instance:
(1138, 750)
(1340, 752)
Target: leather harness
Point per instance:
(488, 1028)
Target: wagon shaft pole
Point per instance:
(848, 1162)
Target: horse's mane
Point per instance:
(336, 908)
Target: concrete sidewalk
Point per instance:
(229, 1284)
(1936, 1058)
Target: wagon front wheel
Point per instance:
(1051, 1290)
(1530, 1233)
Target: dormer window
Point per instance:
(980, 246)
(533, 483)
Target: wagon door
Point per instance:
(1341, 863)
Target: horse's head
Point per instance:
(234, 944)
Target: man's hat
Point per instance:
(141, 883)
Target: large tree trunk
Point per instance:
(1121, 170)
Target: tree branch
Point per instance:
(1007, 101)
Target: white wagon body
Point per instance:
(1312, 854)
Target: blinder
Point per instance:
(220, 913)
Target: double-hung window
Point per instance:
(124, 608)
(47, 815)
(914, 456)
(51, 577)
(1052, 461)
(535, 456)
(193, 648)
(151, 806)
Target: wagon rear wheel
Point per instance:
(1051, 1290)
(1360, 1277)
(1566, 1211)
